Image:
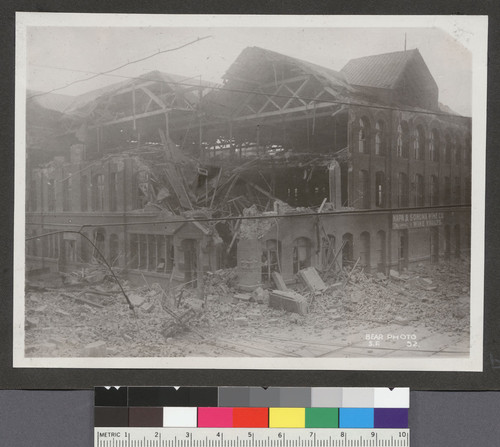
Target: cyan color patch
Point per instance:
(356, 417)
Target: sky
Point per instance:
(59, 55)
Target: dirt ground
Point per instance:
(423, 312)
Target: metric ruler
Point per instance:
(242, 437)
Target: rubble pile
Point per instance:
(94, 319)
(435, 297)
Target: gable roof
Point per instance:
(380, 70)
(253, 61)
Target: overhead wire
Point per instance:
(245, 91)
(120, 66)
(238, 218)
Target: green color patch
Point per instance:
(322, 417)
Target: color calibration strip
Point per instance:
(247, 407)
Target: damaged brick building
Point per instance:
(283, 166)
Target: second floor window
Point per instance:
(419, 143)
(379, 138)
(419, 190)
(98, 188)
(434, 190)
(363, 136)
(434, 146)
(402, 141)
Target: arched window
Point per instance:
(142, 189)
(99, 242)
(84, 193)
(419, 143)
(328, 252)
(113, 249)
(364, 249)
(380, 138)
(379, 189)
(403, 140)
(434, 190)
(381, 251)
(301, 254)
(98, 192)
(85, 249)
(403, 190)
(434, 146)
(419, 190)
(271, 259)
(447, 148)
(347, 249)
(364, 189)
(363, 136)
(113, 191)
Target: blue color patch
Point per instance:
(356, 417)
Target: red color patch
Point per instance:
(251, 417)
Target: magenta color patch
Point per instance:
(215, 417)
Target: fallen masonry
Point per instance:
(432, 298)
(289, 301)
(312, 279)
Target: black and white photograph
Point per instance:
(259, 192)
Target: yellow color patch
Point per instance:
(287, 417)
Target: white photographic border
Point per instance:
(471, 31)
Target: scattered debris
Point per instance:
(260, 295)
(82, 300)
(58, 325)
(242, 296)
(241, 321)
